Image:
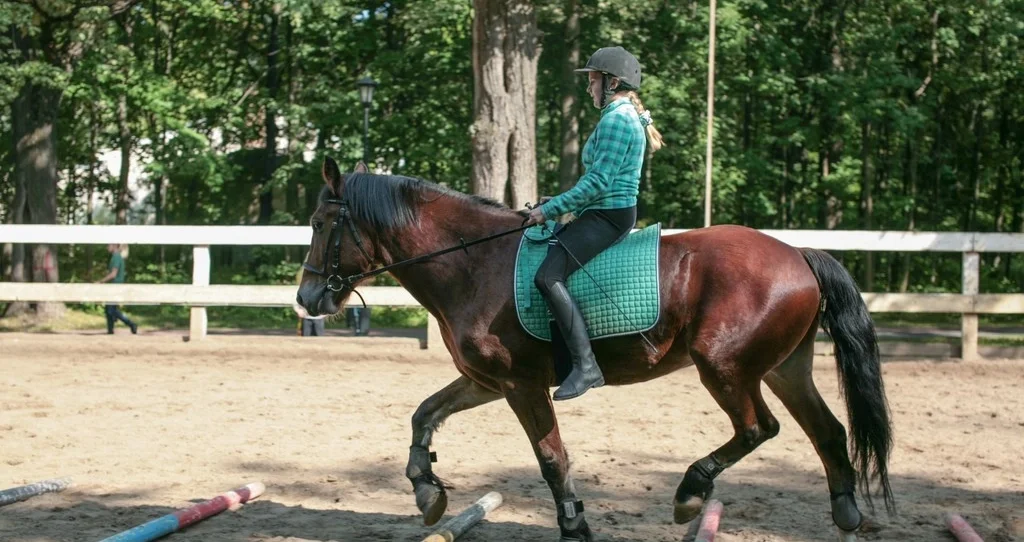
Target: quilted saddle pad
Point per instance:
(620, 296)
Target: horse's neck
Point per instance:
(440, 282)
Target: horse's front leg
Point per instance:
(536, 414)
(462, 394)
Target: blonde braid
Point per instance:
(654, 139)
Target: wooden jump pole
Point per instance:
(961, 529)
(458, 525)
(187, 516)
(15, 494)
(709, 523)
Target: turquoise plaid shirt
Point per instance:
(612, 159)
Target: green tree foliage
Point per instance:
(886, 115)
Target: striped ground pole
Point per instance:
(15, 494)
(709, 523)
(961, 529)
(187, 516)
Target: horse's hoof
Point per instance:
(432, 502)
(575, 530)
(845, 514)
(688, 509)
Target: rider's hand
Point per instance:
(536, 216)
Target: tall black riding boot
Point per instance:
(585, 372)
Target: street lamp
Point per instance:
(366, 86)
(361, 317)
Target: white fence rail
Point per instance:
(201, 294)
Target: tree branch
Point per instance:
(116, 7)
(120, 6)
(935, 56)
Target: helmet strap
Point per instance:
(606, 92)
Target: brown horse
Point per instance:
(741, 306)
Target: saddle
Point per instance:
(620, 296)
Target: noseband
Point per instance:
(332, 250)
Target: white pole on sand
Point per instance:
(458, 525)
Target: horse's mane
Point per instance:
(388, 202)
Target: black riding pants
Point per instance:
(586, 237)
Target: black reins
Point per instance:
(332, 251)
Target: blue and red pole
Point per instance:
(187, 516)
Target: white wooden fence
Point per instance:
(201, 293)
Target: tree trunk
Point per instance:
(786, 201)
(161, 65)
(125, 141)
(867, 202)
(569, 157)
(1017, 215)
(14, 253)
(1007, 159)
(90, 185)
(295, 130)
(270, 118)
(904, 282)
(971, 218)
(978, 170)
(296, 139)
(505, 53)
(34, 128)
(312, 191)
(935, 210)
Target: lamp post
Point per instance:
(360, 316)
(366, 86)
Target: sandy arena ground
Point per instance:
(146, 424)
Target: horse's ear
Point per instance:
(332, 175)
(361, 168)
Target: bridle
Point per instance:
(332, 250)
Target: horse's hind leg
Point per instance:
(793, 384)
(536, 414)
(740, 398)
(462, 394)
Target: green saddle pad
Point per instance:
(622, 298)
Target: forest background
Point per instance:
(888, 115)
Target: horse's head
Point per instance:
(338, 249)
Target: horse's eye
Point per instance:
(318, 226)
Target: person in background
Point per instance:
(116, 275)
(358, 318)
(309, 326)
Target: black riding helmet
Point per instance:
(616, 62)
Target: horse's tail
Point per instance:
(845, 318)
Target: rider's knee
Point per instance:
(544, 281)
